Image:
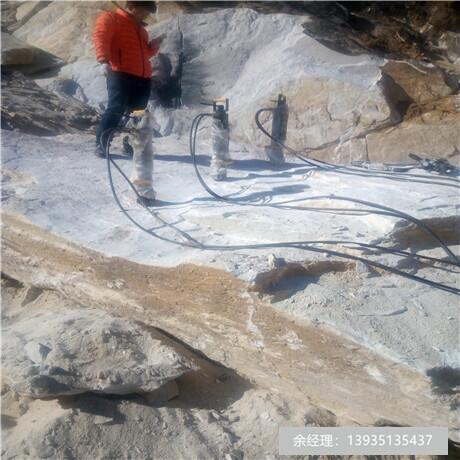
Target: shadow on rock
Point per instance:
(444, 379)
(104, 408)
(212, 386)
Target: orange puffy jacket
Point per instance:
(121, 41)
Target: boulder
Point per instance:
(344, 103)
(28, 9)
(87, 350)
(15, 51)
(450, 42)
(87, 75)
(420, 83)
(8, 16)
(63, 28)
(329, 94)
(18, 55)
(29, 108)
(430, 130)
(66, 87)
(395, 30)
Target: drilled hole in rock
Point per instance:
(166, 86)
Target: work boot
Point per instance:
(99, 151)
(127, 148)
(219, 174)
(147, 195)
(147, 202)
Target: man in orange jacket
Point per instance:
(124, 51)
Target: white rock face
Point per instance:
(337, 103)
(52, 180)
(435, 133)
(26, 10)
(63, 28)
(15, 51)
(87, 74)
(16, 54)
(85, 350)
(251, 57)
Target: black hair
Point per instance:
(148, 5)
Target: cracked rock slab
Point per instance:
(87, 350)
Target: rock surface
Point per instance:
(18, 55)
(28, 108)
(63, 28)
(78, 351)
(8, 16)
(254, 333)
(423, 83)
(328, 94)
(289, 370)
(25, 10)
(338, 95)
(430, 130)
(401, 30)
(290, 203)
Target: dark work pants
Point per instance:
(126, 93)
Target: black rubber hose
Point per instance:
(390, 173)
(192, 242)
(395, 212)
(378, 175)
(300, 245)
(352, 171)
(196, 244)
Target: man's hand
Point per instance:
(104, 68)
(157, 41)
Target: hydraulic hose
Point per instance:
(395, 212)
(398, 176)
(192, 243)
(303, 245)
